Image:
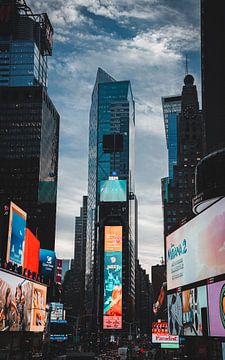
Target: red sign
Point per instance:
(112, 322)
(160, 333)
(31, 252)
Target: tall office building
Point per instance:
(186, 141)
(80, 258)
(29, 122)
(111, 204)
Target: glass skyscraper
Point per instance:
(29, 122)
(111, 158)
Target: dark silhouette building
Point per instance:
(178, 189)
(29, 122)
(143, 301)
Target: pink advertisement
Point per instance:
(216, 302)
(196, 251)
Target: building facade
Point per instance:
(111, 198)
(187, 142)
(29, 122)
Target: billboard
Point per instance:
(113, 190)
(201, 239)
(16, 235)
(22, 303)
(31, 252)
(216, 306)
(47, 263)
(175, 324)
(56, 312)
(112, 312)
(159, 292)
(160, 333)
(194, 306)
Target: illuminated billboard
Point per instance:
(160, 333)
(56, 312)
(112, 312)
(31, 252)
(47, 263)
(196, 250)
(194, 308)
(175, 324)
(16, 235)
(113, 190)
(22, 303)
(216, 303)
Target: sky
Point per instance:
(144, 41)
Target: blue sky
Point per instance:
(144, 41)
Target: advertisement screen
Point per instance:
(112, 313)
(56, 312)
(194, 305)
(47, 263)
(216, 301)
(16, 234)
(201, 239)
(31, 252)
(159, 292)
(22, 304)
(175, 324)
(113, 190)
(160, 333)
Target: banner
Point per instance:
(112, 312)
(196, 250)
(22, 304)
(160, 333)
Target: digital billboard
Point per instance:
(112, 312)
(16, 235)
(47, 263)
(159, 292)
(175, 324)
(216, 305)
(22, 303)
(113, 190)
(160, 333)
(56, 312)
(31, 252)
(194, 308)
(196, 250)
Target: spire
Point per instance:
(186, 64)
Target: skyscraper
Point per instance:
(111, 199)
(187, 143)
(29, 122)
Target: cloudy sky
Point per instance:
(144, 41)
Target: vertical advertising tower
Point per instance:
(111, 220)
(29, 122)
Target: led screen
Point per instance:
(196, 250)
(160, 333)
(47, 263)
(175, 325)
(194, 306)
(216, 301)
(112, 312)
(16, 234)
(22, 303)
(31, 252)
(56, 312)
(113, 190)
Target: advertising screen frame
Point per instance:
(22, 302)
(47, 263)
(202, 239)
(112, 186)
(112, 297)
(12, 238)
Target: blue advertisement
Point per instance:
(113, 190)
(47, 263)
(17, 234)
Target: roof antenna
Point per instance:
(186, 65)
